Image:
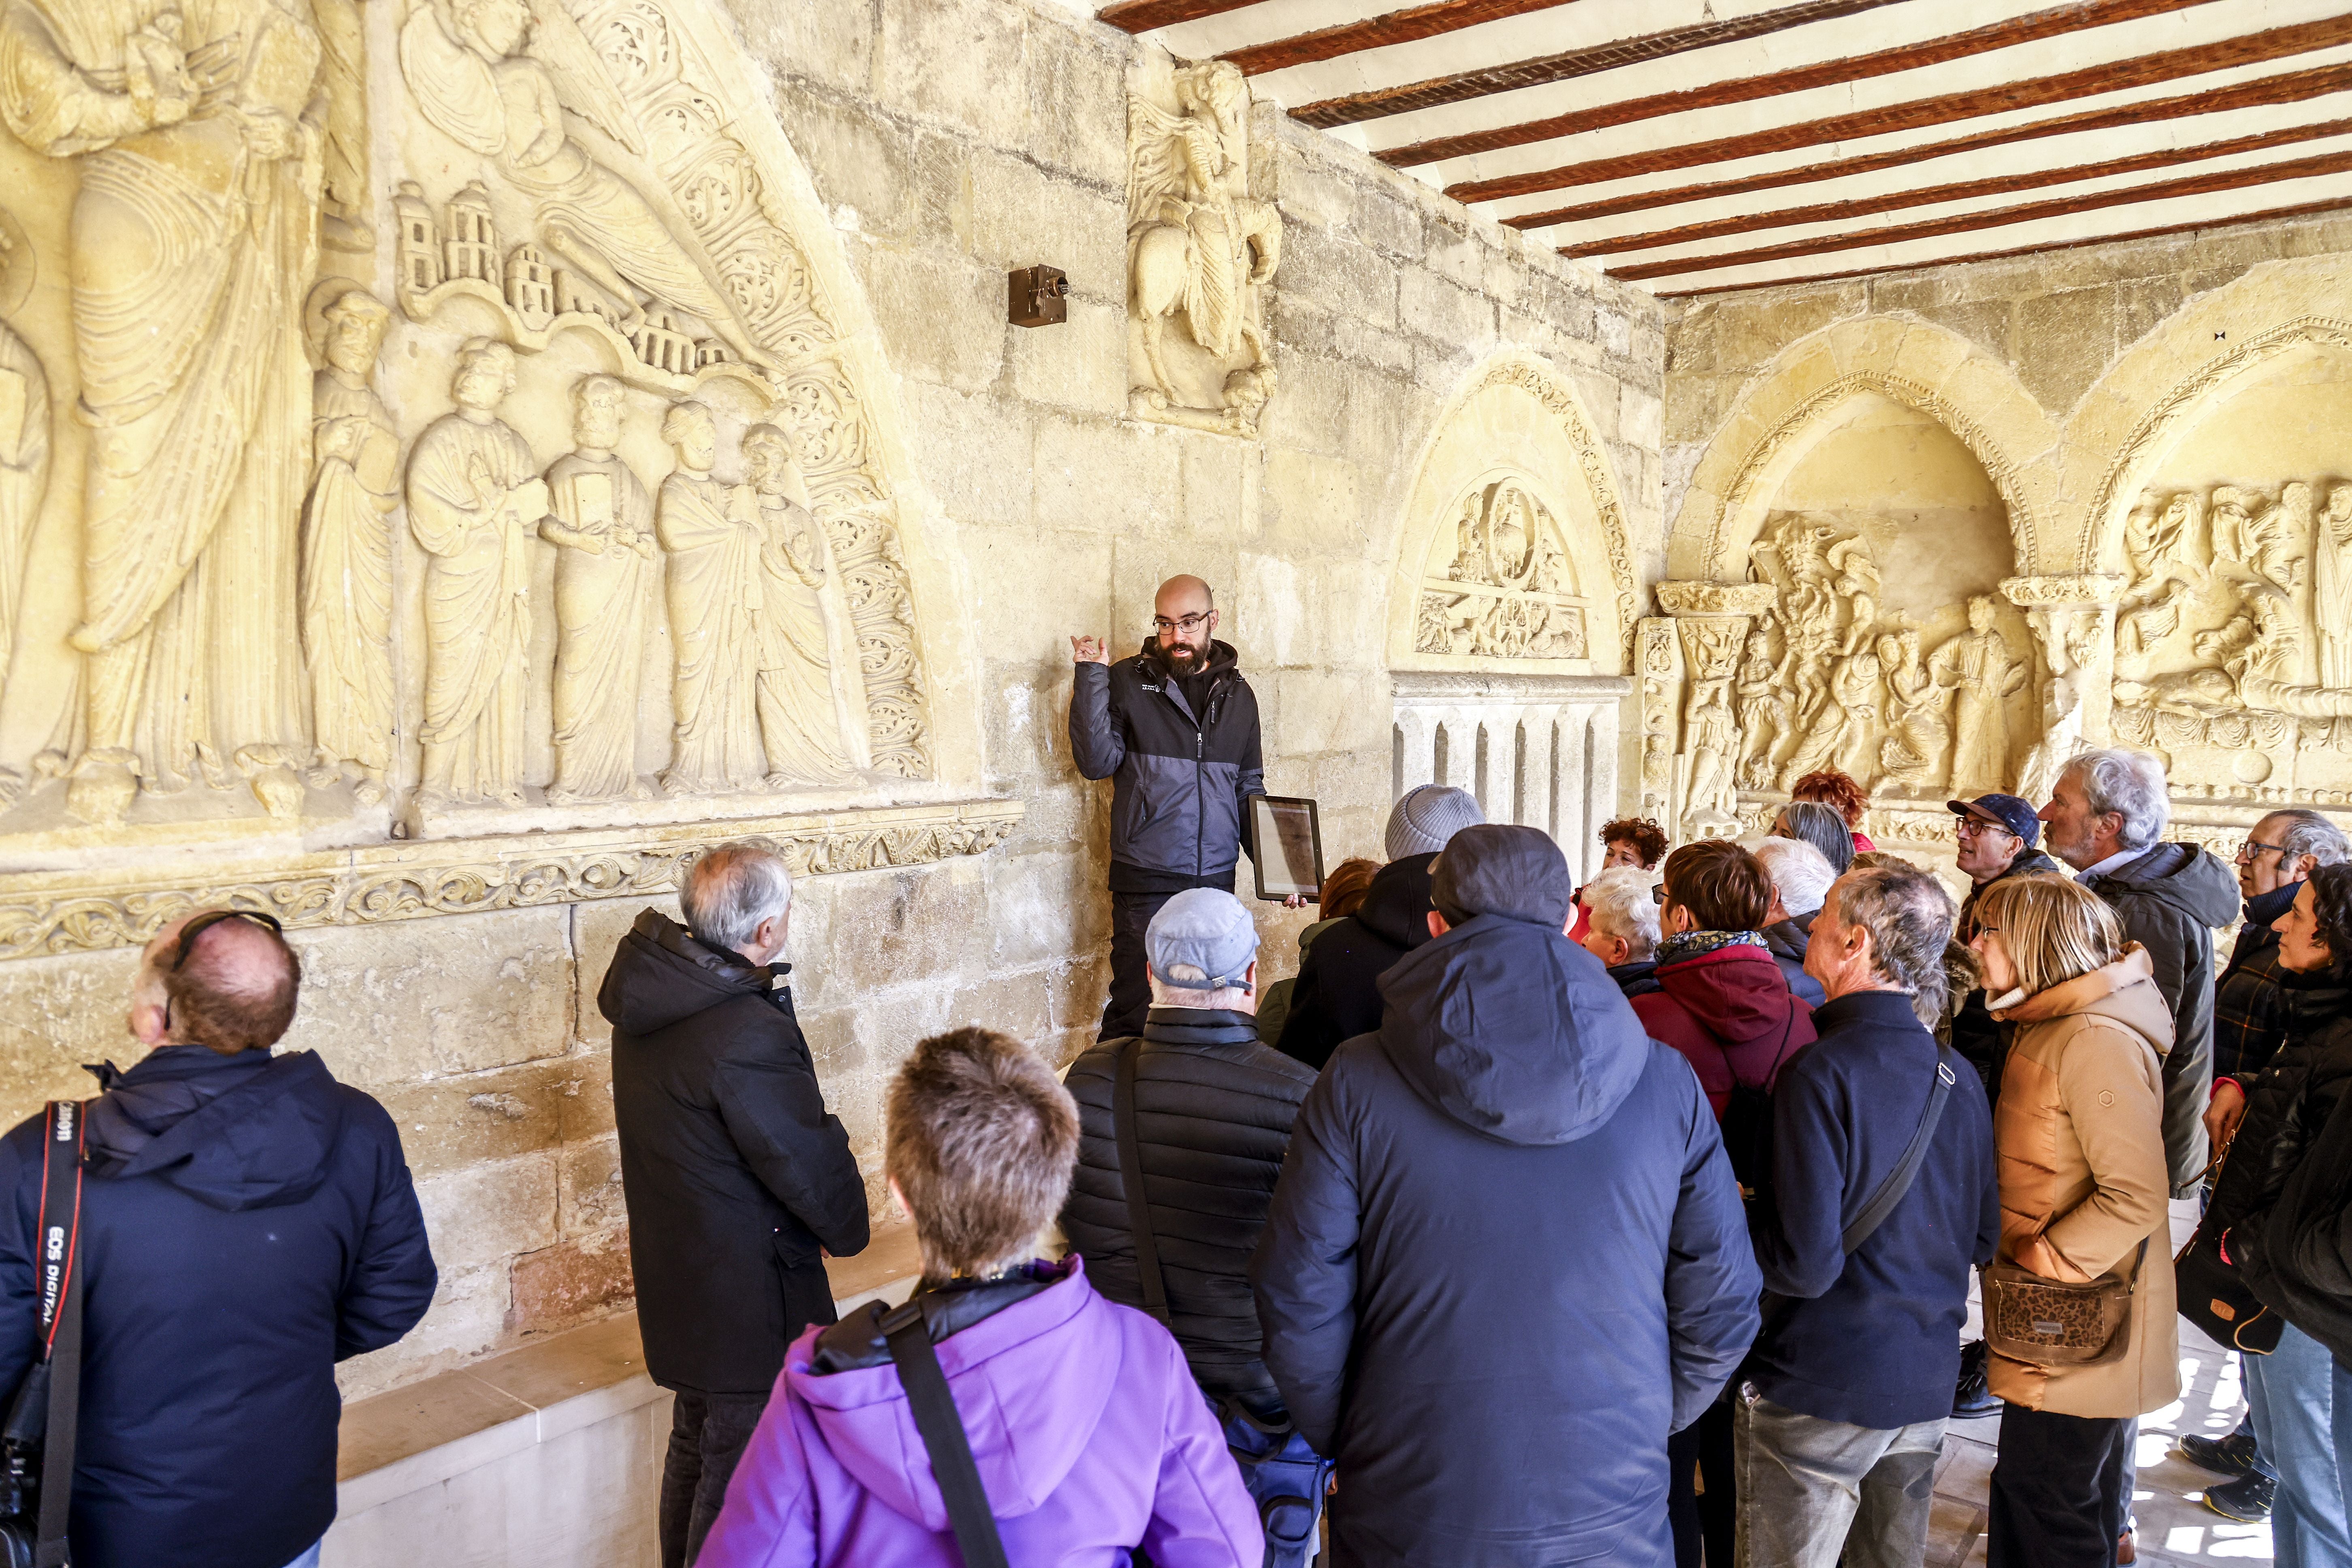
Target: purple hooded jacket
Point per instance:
(1089, 1434)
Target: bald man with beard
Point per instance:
(1175, 730)
(246, 1222)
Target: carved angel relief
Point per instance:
(1509, 590)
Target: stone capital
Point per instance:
(1691, 600)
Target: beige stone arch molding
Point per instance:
(1798, 399)
(1513, 554)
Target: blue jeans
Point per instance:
(309, 1559)
(2302, 1411)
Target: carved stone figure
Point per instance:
(347, 545)
(2331, 597)
(1979, 665)
(2270, 540)
(475, 499)
(800, 726)
(1199, 243)
(1763, 710)
(1913, 751)
(23, 450)
(602, 520)
(1712, 803)
(496, 77)
(193, 230)
(713, 536)
(2159, 540)
(1509, 592)
(345, 198)
(1855, 690)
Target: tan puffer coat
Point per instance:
(2080, 1130)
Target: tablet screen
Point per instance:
(1287, 846)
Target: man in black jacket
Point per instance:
(2103, 816)
(1506, 1256)
(2249, 1008)
(1996, 834)
(738, 1180)
(246, 1222)
(1175, 730)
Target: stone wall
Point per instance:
(942, 142)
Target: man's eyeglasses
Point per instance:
(1192, 622)
(1658, 894)
(1969, 827)
(2255, 848)
(210, 918)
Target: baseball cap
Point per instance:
(1206, 928)
(1502, 868)
(1426, 816)
(2006, 810)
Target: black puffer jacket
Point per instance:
(1179, 776)
(2171, 901)
(2298, 1257)
(1336, 996)
(1785, 941)
(1980, 1041)
(1212, 1111)
(2288, 1104)
(734, 1172)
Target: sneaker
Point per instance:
(1973, 1397)
(2234, 1455)
(2246, 1500)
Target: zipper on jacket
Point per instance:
(1199, 796)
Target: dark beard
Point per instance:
(1179, 660)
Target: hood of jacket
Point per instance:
(661, 975)
(1738, 993)
(246, 1131)
(1029, 1379)
(1396, 907)
(2125, 991)
(1512, 1030)
(2195, 883)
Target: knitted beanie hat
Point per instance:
(1425, 817)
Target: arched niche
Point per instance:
(1512, 606)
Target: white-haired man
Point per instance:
(1621, 926)
(2105, 814)
(738, 1179)
(1800, 876)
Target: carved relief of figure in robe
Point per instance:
(1979, 666)
(475, 499)
(712, 533)
(497, 78)
(602, 521)
(800, 726)
(1763, 712)
(347, 547)
(1712, 801)
(2331, 605)
(24, 453)
(193, 227)
(1855, 690)
(1913, 752)
(2158, 539)
(2269, 541)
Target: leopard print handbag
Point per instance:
(2047, 1322)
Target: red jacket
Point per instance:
(1729, 1011)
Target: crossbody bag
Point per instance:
(37, 1440)
(2213, 1293)
(944, 1439)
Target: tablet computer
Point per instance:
(1285, 846)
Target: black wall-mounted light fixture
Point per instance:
(1035, 296)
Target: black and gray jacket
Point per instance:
(1179, 775)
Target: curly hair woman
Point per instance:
(1632, 841)
(1832, 788)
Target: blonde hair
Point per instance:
(2053, 929)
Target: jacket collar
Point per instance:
(2265, 908)
(726, 967)
(1868, 1009)
(1683, 946)
(1199, 1026)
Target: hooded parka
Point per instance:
(2082, 1168)
(1336, 996)
(1505, 1259)
(1730, 1010)
(247, 1223)
(734, 1172)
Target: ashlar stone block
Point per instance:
(486, 1213)
(58, 1012)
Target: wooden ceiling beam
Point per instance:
(1408, 25)
(1142, 15)
(1956, 191)
(2032, 27)
(2268, 215)
(1464, 86)
(2286, 86)
(1998, 218)
(1919, 114)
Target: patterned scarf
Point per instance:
(1692, 944)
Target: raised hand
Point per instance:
(1089, 651)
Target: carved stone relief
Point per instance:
(1199, 247)
(24, 451)
(1507, 590)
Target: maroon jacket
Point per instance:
(1729, 1011)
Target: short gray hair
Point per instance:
(1824, 827)
(1621, 906)
(1800, 874)
(2128, 783)
(1228, 999)
(731, 889)
(1910, 917)
(2309, 833)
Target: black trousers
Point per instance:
(707, 1434)
(2060, 1490)
(1130, 987)
(1709, 1518)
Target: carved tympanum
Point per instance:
(1507, 592)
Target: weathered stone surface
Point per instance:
(58, 1013)
(2074, 336)
(486, 1212)
(558, 1286)
(588, 1192)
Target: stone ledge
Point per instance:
(66, 910)
(403, 1441)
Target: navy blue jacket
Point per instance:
(247, 1223)
(1178, 778)
(1505, 1259)
(1874, 1340)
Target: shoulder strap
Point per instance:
(969, 1515)
(1897, 1183)
(1130, 1180)
(61, 1294)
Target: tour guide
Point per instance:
(1175, 729)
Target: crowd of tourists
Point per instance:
(1640, 1222)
